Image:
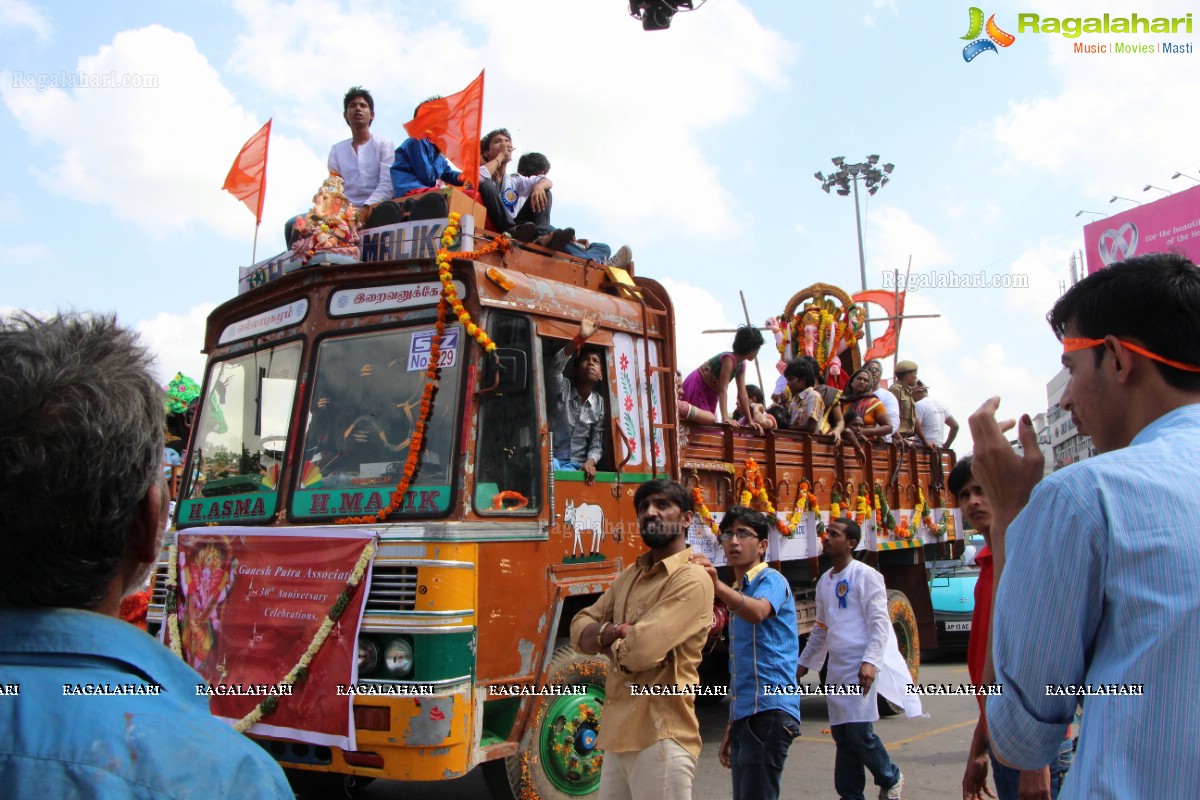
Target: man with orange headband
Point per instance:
(1119, 603)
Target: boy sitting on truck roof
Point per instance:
(420, 166)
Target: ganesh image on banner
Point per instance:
(206, 573)
(331, 226)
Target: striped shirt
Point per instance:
(1102, 587)
(765, 654)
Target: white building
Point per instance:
(1042, 426)
(1067, 444)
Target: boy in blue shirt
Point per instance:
(764, 709)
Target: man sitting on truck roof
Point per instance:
(577, 404)
(102, 709)
(419, 166)
(364, 160)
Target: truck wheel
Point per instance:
(904, 622)
(557, 758)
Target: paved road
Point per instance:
(929, 750)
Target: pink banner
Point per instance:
(1169, 225)
(251, 603)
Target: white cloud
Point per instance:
(1042, 267)
(601, 100)
(158, 157)
(17, 16)
(987, 372)
(871, 17)
(175, 340)
(1098, 126)
(25, 253)
(697, 310)
(892, 237)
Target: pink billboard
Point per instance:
(1169, 225)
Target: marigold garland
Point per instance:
(502, 243)
(806, 501)
(418, 438)
(701, 509)
(755, 494)
(835, 505)
(862, 511)
(172, 595)
(922, 513)
(449, 297)
(822, 329)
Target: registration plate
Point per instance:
(958, 626)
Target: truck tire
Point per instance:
(904, 622)
(557, 758)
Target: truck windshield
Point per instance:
(240, 438)
(364, 406)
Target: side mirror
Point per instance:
(507, 372)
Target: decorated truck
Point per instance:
(374, 564)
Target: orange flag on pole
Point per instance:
(247, 178)
(454, 124)
(893, 304)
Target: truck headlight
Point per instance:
(368, 656)
(398, 658)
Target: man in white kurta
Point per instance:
(853, 627)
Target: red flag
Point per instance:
(885, 345)
(454, 124)
(247, 178)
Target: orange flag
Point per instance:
(885, 345)
(454, 124)
(247, 178)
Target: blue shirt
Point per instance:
(419, 165)
(1102, 586)
(765, 654)
(59, 747)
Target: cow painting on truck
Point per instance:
(397, 409)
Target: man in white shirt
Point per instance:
(932, 416)
(364, 161)
(890, 403)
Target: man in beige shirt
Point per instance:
(652, 625)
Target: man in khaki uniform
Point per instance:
(652, 624)
(905, 384)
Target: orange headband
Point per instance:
(1070, 345)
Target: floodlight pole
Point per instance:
(862, 258)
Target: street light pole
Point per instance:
(875, 177)
(862, 258)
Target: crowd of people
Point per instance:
(1087, 612)
(389, 185)
(1093, 582)
(805, 401)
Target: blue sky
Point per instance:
(696, 146)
